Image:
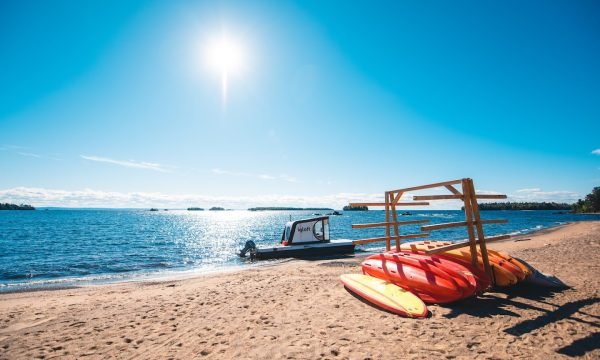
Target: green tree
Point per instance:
(593, 199)
(590, 204)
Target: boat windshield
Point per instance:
(288, 229)
(318, 230)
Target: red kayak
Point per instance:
(463, 277)
(427, 281)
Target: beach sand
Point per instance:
(299, 310)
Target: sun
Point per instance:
(225, 56)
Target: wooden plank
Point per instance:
(469, 219)
(450, 197)
(413, 236)
(397, 197)
(458, 224)
(490, 196)
(428, 186)
(453, 190)
(387, 219)
(455, 246)
(395, 218)
(480, 235)
(383, 204)
(382, 224)
(385, 238)
(369, 240)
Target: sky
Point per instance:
(315, 103)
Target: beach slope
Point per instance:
(299, 310)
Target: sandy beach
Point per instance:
(299, 310)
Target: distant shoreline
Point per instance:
(271, 208)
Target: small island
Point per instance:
(356, 208)
(7, 206)
(278, 208)
(153, 209)
(195, 209)
(216, 208)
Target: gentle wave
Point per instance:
(45, 248)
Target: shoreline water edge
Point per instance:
(202, 266)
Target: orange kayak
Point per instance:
(505, 272)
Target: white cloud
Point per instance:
(596, 152)
(131, 164)
(37, 156)
(536, 194)
(288, 178)
(95, 198)
(529, 190)
(283, 177)
(24, 151)
(30, 155)
(11, 147)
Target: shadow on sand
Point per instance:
(581, 346)
(491, 304)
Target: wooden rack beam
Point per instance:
(382, 224)
(384, 204)
(429, 186)
(441, 249)
(450, 197)
(453, 190)
(458, 224)
(386, 238)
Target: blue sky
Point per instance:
(111, 103)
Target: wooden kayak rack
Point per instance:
(472, 222)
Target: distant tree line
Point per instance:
(525, 206)
(591, 203)
(355, 208)
(7, 206)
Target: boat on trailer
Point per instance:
(301, 238)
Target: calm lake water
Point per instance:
(74, 247)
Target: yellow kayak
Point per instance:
(385, 295)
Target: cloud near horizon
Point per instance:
(537, 195)
(130, 163)
(42, 197)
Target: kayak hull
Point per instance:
(385, 295)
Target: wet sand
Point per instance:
(299, 310)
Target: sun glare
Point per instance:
(226, 57)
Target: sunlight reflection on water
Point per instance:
(38, 247)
